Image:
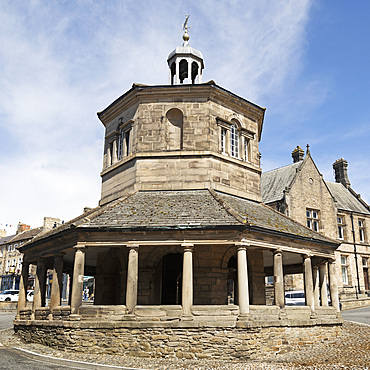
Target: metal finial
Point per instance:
(185, 28)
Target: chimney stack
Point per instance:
(22, 227)
(297, 154)
(51, 222)
(340, 169)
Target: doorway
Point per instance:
(171, 282)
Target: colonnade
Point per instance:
(314, 278)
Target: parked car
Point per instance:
(9, 296)
(295, 298)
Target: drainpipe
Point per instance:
(354, 248)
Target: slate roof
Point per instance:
(345, 199)
(5, 239)
(25, 235)
(170, 209)
(274, 182)
(195, 209)
(188, 209)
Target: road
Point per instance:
(360, 315)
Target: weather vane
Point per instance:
(185, 28)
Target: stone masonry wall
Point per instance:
(222, 343)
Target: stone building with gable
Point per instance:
(180, 243)
(334, 209)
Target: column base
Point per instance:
(186, 318)
(74, 317)
(282, 314)
(313, 315)
(244, 317)
(129, 317)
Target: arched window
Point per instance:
(234, 141)
(174, 129)
(183, 70)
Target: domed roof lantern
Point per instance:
(186, 64)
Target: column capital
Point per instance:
(133, 246)
(188, 247)
(80, 247)
(307, 256)
(277, 250)
(242, 246)
(331, 261)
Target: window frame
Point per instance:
(361, 230)
(344, 269)
(313, 222)
(234, 141)
(341, 227)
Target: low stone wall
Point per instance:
(8, 306)
(349, 304)
(192, 340)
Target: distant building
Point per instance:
(334, 209)
(10, 257)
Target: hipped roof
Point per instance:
(193, 209)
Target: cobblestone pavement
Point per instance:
(350, 351)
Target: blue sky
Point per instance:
(306, 61)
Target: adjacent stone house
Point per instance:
(331, 208)
(180, 243)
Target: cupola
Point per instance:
(185, 63)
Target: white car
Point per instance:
(295, 298)
(9, 296)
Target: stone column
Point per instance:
(22, 300)
(78, 280)
(323, 285)
(309, 283)
(189, 70)
(177, 71)
(187, 281)
(243, 291)
(114, 151)
(316, 289)
(279, 279)
(333, 285)
(132, 278)
(56, 286)
(199, 73)
(40, 286)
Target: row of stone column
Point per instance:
(315, 283)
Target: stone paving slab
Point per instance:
(350, 351)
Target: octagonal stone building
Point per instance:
(180, 245)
